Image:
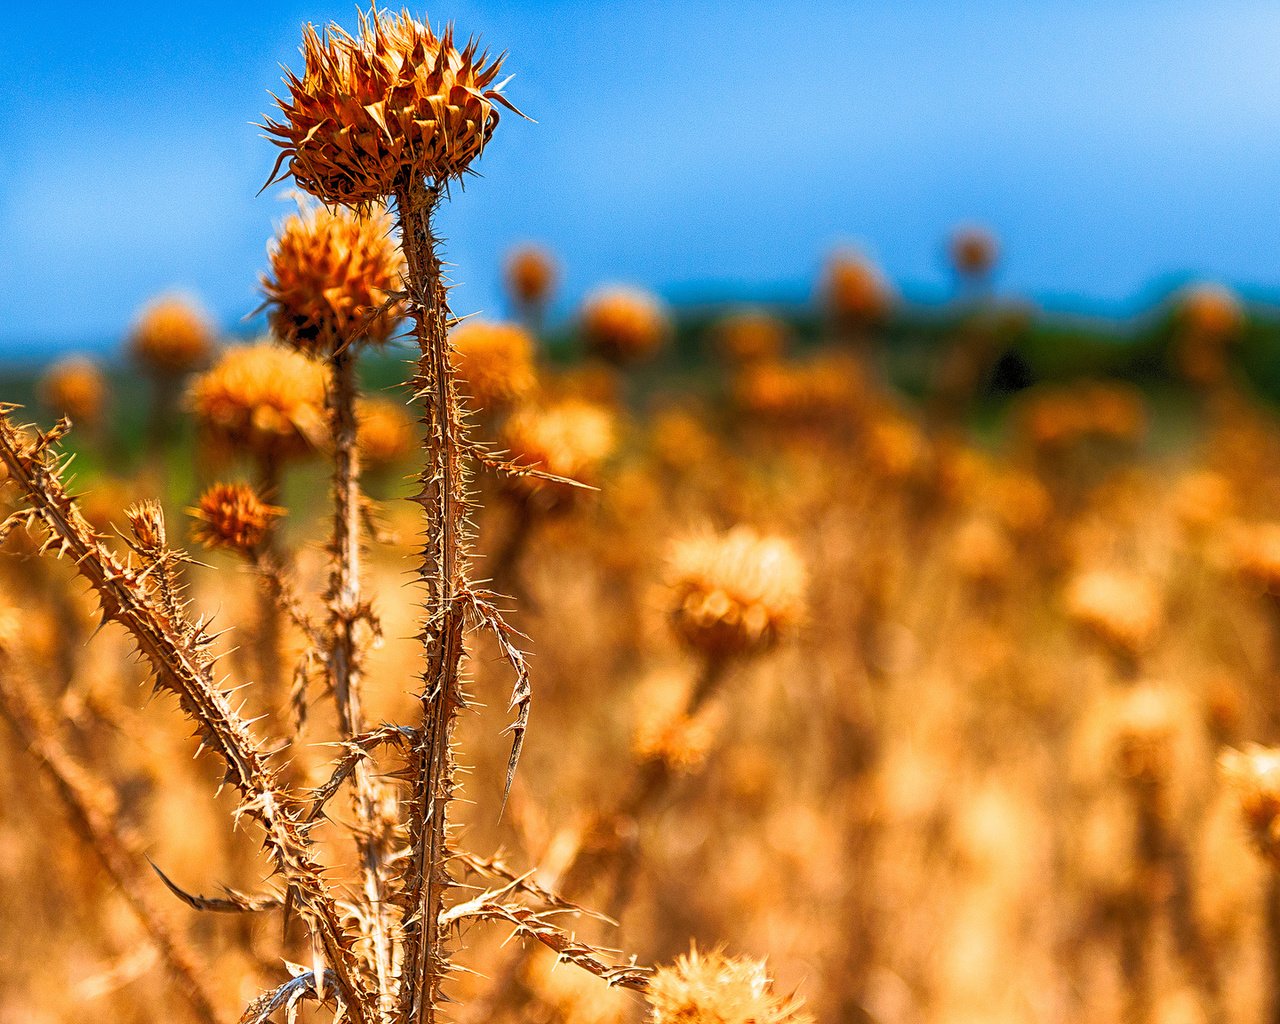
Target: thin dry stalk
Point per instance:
(92, 807)
(178, 653)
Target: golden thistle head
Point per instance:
(263, 399)
(332, 272)
(171, 337)
(494, 362)
(974, 251)
(1145, 730)
(392, 105)
(735, 593)
(384, 432)
(1121, 610)
(751, 336)
(232, 516)
(530, 273)
(856, 292)
(1254, 774)
(75, 387)
(715, 989)
(624, 325)
(571, 439)
(983, 554)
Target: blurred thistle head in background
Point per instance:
(76, 388)
(974, 251)
(232, 516)
(624, 325)
(332, 277)
(1254, 773)
(393, 103)
(171, 337)
(385, 432)
(570, 438)
(530, 274)
(751, 336)
(494, 363)
(855, 292)
(262, 399)
(734, 593)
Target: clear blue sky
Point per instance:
(701, 148)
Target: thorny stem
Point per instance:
(345, 654)
(443, 498)
(269, 622)
(90, 805)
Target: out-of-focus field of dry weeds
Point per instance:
(974, 766)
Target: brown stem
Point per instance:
(345, 654)
(269, 623)
(443, 498)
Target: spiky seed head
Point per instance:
(1122, 610)
(1254, 773)
(494, 362)
(75, 387)
(711, 988)
(172, 337)
(570, 438)
(232, 516)
(146, 520)
(734, 593)
(384, 432)
(393, 103)
(974, 251)
(262, 399)
(751, 336)
(530, 273)
(855, 292)
(331, 275)
(624, 325)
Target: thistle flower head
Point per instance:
(1254, 774)
(261, 398)
(384, 431)
(232, 516)
(146, 520)
(171, 337)
(393, 103)
(982, 553)
(530, 273)
(751, 336)
(712, 988)
(75, 387)
(494, 361)
(571, 439)
(1145, 730)
(735, 593)
(974, 251)
(331, 273)
(1122, 610)
(624, 325)
(855, 291)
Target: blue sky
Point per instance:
(702, 148)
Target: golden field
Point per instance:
(571, 684)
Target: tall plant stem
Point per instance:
(443, 497)
(345, 654)
(270, 626)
